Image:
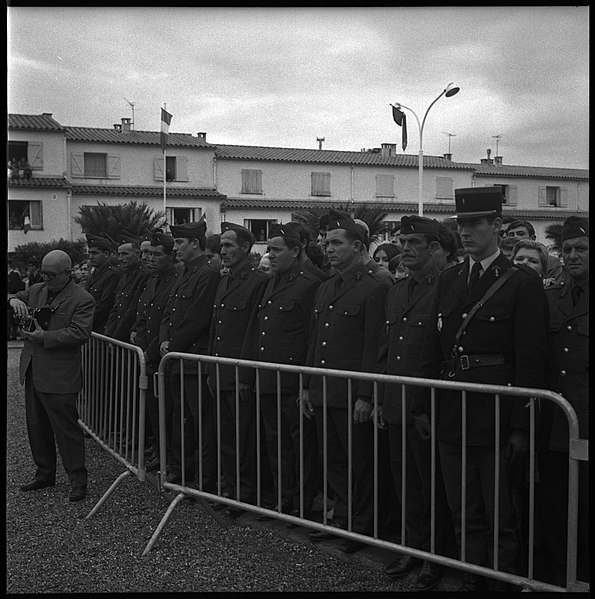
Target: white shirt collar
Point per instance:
(485, 263)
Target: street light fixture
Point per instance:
(450, 90)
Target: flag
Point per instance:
(401, 120)
(165, 121)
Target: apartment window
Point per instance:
(553, 196)
(24, 215)
(31, 152)
(181, 216)
(385, 186)
(176, 168)
(94, 165)
(444, 188)
(321, 184)
(259, 227)
(251, 181)
(508, 193)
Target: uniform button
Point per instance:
(569, 328)
(398, 357)
(566, 350)
(460, 348)
(562, 373)
(263, 333)
(218, 338)
(492, 319)
(216, 355)
(401, 338)
(266, 317)
(330, 307)
(404, 319)
(326, 324)
(464, 315)
(269, 302)
(220, 322)
(322, 362)
(262, 349)
(280, 307)
(323, 344)
(222, 305)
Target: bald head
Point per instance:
(56, 261)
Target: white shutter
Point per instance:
(541, 197)
(511, 198)
(563, 197)
(77, 166)
(35, 215)
(385, 186)
(182, 168)
(158, 169)
(321, 184)
(444, 186)
(35, 154)
(113, 166)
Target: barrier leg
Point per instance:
(108, 493)
(163, 522)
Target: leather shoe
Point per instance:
(429, 576)
(77, 493)
(36, 483)
(323, 535)
(401, 566)
(350, 546)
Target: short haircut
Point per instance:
(449, 240)
(530, 244)
(515, 224)
(214, 243)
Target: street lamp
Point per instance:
(450, 90)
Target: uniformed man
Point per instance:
(504, 343)
(185, 328)
(102, 281)
(568, 374)
(408, 306)
(130, 285)
(303, 258)
(150, 308)
(145, 252)
(238, 294)
(278, 333)
(374, 268)
(346, 330)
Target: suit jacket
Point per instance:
(123, 313)
(279, 327)
(56, 364)
(149, 312)
(513, 322)
(345, 334)
(568, 369)
(102, 286)
(237, 296)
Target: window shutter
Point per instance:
(113, 166)
(196, 214)
(158, 169)
(444, 187)
(541, 197)
(257, 182)
(35, 214)
(77, 166)
(511, 199)
(563, 197)
(35, 154)
(385, 186)
(182, 168)
(251, 181)
(321, 184)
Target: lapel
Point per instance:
(495, 270)
(236, 281)
(565, 303)
(62, 295)
(350, 279)
(284, 283)
(421, 289)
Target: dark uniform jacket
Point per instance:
(382, 274)
(311, 267)
(513, 323)
(345, 334)
(238, 294)
(280, 326)
(102, 285)
(56, 364)
(188, 313)
(406, 336)
(568, 370)
(150, 310)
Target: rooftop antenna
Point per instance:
(320, 140)
(449, 136)
(131, 106)
(497, 138)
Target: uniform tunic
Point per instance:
(102, 285)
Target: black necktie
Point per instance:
(576, 294)
(412, 285)
(475, 272)
(338, 283)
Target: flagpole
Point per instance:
(165, 179)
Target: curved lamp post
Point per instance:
(450, 90)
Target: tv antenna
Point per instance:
(497, 138)
(320, 140)
(449, 136)
(131, 106)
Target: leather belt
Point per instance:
(465, 362)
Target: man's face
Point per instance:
(415, 251)
(341, 251)
(519, 233)
(54, 275)
(576, 257)
(281, 257)
(478, 236)
(160, 258)
(185, 248)
(232, 252)
(128, 256)
(145, 253)
(97, 257)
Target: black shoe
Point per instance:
(429, 576)
(37, 483)
(350, 546)
(234, 512)
(401, 566)
(323, 535)
(296, 513)
(77, 493)
(153, 464)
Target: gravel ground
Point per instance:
(51, 548)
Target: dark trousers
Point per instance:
(52, 419)
(197, 439)
(362, 466)
(479, 519)
(418, 492)
(288, 435)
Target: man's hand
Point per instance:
(133, 337)
(362, 411)
(163, 348)
(378, 419)
(422, 426)
(35, 336)
(305, 404)
(517, 448)
(19, 307)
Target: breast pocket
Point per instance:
(419, 326)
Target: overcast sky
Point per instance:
(283, 77)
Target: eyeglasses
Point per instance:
(51, 275)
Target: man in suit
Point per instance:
(279, 328)
(238, 294)
(568, 374)
(102, 281)
(504, 343)
(185, 328)
(50, 367)
(345, 334)
(408, 306)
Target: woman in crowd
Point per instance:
(534, 255)
(384, 253)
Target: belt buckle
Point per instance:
(464, 362)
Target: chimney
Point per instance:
(118, 127)
(388, 150)
(202, 135)
(320, 140)
(125, 124)
(498, 160)
(448, 156)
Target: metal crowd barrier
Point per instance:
(112, 404)
(208, 498)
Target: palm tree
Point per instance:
(554, 233)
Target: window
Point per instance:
(31, 152)
(176, 168)
(259, 227)
(509, 194)
(321, 184)
(251, 181)
(444, 188)
(181, 216)
(553, 196)
(385, 186)
(24, 215)
(94, 165)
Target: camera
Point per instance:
(42, 315)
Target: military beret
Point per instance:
(301, 231)
(471, 202)
(419, 224)
(340, 220)
(575, 226)
(160, 238)
(123, 238)
(190, 230)
(246, 233)
(97, 241)
(283, 231)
